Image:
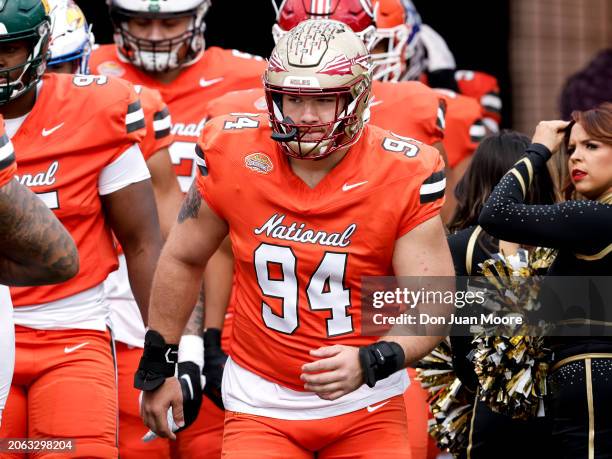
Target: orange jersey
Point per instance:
(79, 125)
(483, 88)
(215, 73)
(157, 119)
(464, 126)
(407, 108)
(300, 252)
(7, 157)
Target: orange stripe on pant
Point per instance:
(362, 434)
(131, 427)
(63, 387)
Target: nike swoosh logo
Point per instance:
(206, 83)
(46, 132)
(68, 350)
(347, 187)
(188, 381)
(373, 408)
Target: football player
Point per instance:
(161, 45)
(70, 48)
(76, 138)
(406, 49)
(423, 55)
(409, 109)
(313, 217)
(34, 249)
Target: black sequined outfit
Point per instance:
(488, 430)
(579, 405)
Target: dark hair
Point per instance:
(597, 123)
(495, 155)
(589, 87)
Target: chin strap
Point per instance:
(289, 136)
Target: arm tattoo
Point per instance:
(195, 325)
(191, 204)
(35, 248)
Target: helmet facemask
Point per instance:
(388, 63)
(159, 56)
(298, 140)
(32, 69)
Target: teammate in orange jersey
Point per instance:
(161, 45)
(34, 249)
(70, 51)
(426, 56)
(77, 142)
(314, 216)
(406, 49)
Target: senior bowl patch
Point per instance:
(111, 68)
(258, 162)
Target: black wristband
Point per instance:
(157, 363)
(380, 360)
(212, 338)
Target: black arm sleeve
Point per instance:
(582, 226)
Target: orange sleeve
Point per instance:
(117, 114)
(464, 128)
(438, 131)
(484, 88)
(424, 194)
(210, 168)
(135, 125)
(158, 122)
(7, 157)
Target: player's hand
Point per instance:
(336, 373)
(550, 134)
(214, 364)
(155, 404)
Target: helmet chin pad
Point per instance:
(158, 56)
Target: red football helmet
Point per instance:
(357, 14)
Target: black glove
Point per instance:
(191, 386)
(380, 360)
(214, 363)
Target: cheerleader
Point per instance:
(580, 386)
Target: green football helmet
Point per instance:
(24, 20)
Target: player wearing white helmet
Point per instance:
(314, 216)
(90, 171)
(71, 38)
